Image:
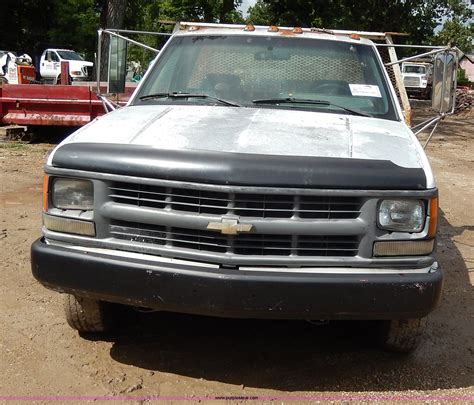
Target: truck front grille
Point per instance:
(251, 205)
(243, 244)
(87, 70)
(411, 81)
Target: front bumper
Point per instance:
(195, 288)
(419, 91)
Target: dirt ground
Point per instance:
(171, 355)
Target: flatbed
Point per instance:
(59, 105)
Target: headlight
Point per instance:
(402, 215)
(72, 194)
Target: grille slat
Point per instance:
(411, 81)
(242, 204)
(243, 244)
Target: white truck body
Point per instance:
(416, 78)
(8, 71)
(256, 172)
(50, 64)
(9, 63)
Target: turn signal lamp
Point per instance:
(68, 225)
(273, 28)
(45, 192)
(249, 27)
(433, 213)
(404, 248)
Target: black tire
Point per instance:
(402, 335)
(428, 94)
(87, 315)
(58, 80)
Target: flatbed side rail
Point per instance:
(48, 105)
(63, 105)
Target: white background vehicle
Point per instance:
(417, 79)
(9, 62)
(8, 72)
(50, 64)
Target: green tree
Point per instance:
(112, 15)
(416, 17)
(457, 34)
(24, 23)
(152, 15)
(260, 14)
(75, 25)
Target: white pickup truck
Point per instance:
(256, 172)
(50, 64)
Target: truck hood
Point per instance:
(77, 64)
(256, 131)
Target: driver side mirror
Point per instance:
(444, 81)
(117, 65)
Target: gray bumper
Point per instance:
(186, 288)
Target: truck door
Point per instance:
(50, 65)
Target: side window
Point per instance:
(54, 57)
(48, 56)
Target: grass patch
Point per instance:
(11, 145)
(22, 146)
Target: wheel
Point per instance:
(87, 315)
(428, 94)
(402, 335)
(58, 80)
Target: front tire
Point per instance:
(87, 315)
(403, 335)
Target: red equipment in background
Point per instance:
(26, 74)
(35, 104)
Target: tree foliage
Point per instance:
(415, 17)
(75, 25)
(75, 22)
(25, 22)
(457, 34)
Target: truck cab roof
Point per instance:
(190, 28)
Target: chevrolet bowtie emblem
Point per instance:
(229, 226)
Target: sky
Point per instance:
(246, 4)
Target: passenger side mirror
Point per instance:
(444, 81)
(117, 65)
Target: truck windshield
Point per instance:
(414, 69)
(70, 55)
(270, 72)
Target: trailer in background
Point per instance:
(59, 105)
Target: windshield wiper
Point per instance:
(291, 100)
(188, 95)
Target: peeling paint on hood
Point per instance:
(255, 130)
